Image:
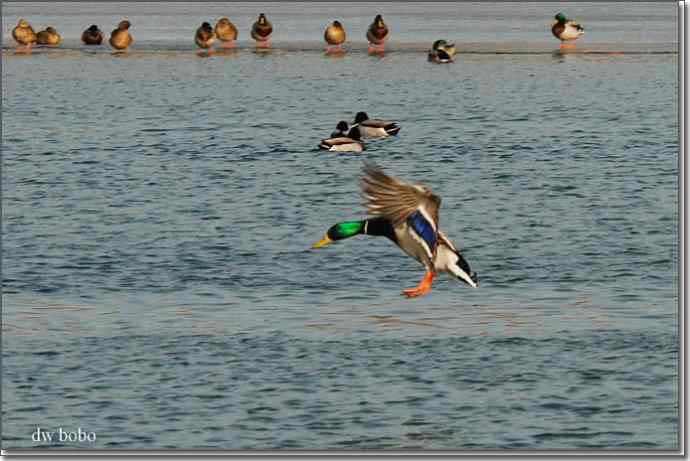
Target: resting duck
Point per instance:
(49, 36)
(375, 128)
(92, 36)
(120, 38)
(226, 32)
(24, 34)
(441, 52)
(341, 129)
(261, 32)
(377, 35)
(344, 143)
(204, 36)
(408, 215)
(335, 37)
(566, 30)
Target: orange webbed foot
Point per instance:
(423, 288)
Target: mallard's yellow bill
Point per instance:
(322, 243)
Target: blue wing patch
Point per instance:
(422, 227)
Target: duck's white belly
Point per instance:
(570, 33)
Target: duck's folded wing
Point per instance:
(397, 200)
(339, 141)
(377, 123)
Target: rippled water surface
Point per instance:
(160, 290)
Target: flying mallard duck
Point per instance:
(261, 32)
(377, 35)
(204, 36)
(441, 52)
(350, 142)
(226, 32)
(375, 128)
(24, 34)
(120, 38)
(49, 36)
(335, 36)
(566, 30)
(408, 215)
(92, 36)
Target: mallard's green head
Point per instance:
(342, 126)
(560, 17)
(23, 23)
(340, 231)
(439, 44)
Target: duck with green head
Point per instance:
(566, 30)
(408, 215)
(377, 34)
(24, 35)
(441, 52)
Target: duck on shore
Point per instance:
(92, 35)
(204, 36)
(335, 37)
(377, 34)
(441, 52)
(49, 36)
(24, 35)
(120, 38)
(261, 32)
(226, 32)
(566, 30)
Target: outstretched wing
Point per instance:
(398, 202)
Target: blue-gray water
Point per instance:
(160, 291)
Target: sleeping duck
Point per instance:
(335, 37)
(226, 32)
(407, 214)
(24, 34)
(377, 34)
(261, 32)
(204, 36)
(344, 143)
(120, 38)
(566, 30)
(375, 128)
(49, 36)
(441, 52)
(92, 36)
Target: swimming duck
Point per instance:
(120, 38)
(375, 128)
(49, 36)
(335, 36)
(24, 34)
(204, 36)
(226, 32)
(441, 52)
(566, 30)
(92, 35)
(261, 32)
(344, 143)
(408, 215)
(377, 35)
